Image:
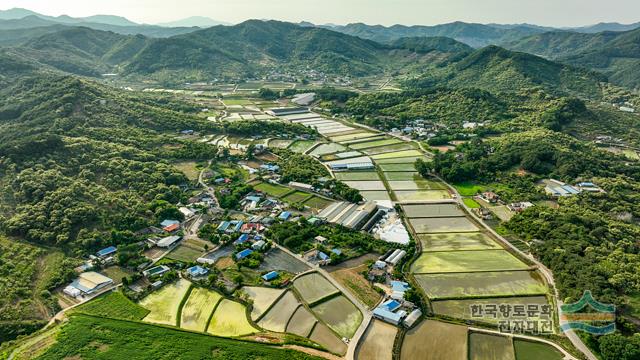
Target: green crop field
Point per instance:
(468, 189)
(329, 148)
(422, 195)
(86, 337)
(472, 204)
(277, 317)
(402, 167)
(163, 304)
(325, 337)
(374, 143)
(280, 144)
(457, 241)
(301, 322)
(529, 350)
(262, 299)
(363, 140)
(435, 340)
(340, 314)
(230, 319)
(271, 189)
(198, 308)
(442, 225)
(432, 210)
(375, 195)
(317, 203)
(297, 197)
(503, 283)
(485, 346)
(354, 136)
(402, 176)
(113, 305)
(314, 287)
(357, 175)
(301, 146)
(466, 261)
(185, 253)
(389, 149)
(460, 309)
(397, 154)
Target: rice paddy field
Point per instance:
(460, 309)
(272, 190)
(495, 284)
(375, 195)
(354, 136)
(325, 337)
(302, 322)
(297, 197)
(435, 340)
(280, 144)
(340, 315)
(421, 195)
(314, 287)
(301, 146)
(486, 346)
(409, 160)
(230, 319)
(278, 316)
(366, 185)
(457, 241)
(357, 175)
(163, 305)
(198, 308)
(529, 350)
(398, 154)
(341, 155)
(276, 259)
(402, 176)
(377, 343)
(390, 167)
(329, 148)
(466, 261)
(374, 143)
(391, 149)
(262, 298)
(416, 185)
(432, 210)
(442, 225)
(363, 140)
(317, 203)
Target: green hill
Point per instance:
(500, 70)
(428, 44)
(615, 54)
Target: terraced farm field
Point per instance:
(366, 185)
(457, 241)
(435, 340)
(354, 136)
(377, 343)
(280, 144)
(505, 283)
(401, 167)
(357, 175)
(262, 298)
(485, 346)
(395, 148)
(329, 148)
(277, 317)
(230, 319)
(408, 160)
(442, 225)
(421, 195)
(432, 210)
(302, 322)
(402, 176)
(301, 146)
(466, 261)
(375, 195)
(198, 308)
(529, 350)
(325, 337)
(340, 314)
(163, 305)
(398, 154)
(314, 287)
(416, 185)
(374, 143)
(271, 189)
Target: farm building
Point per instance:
(87, 283)
(282, 111)
(270, 276)
(197, 271)
(519, 206)
(412, 317)
(234, 226)
(188, 213)
(171, 228)
(347, 214)
(588, 186)
(558, 188)
(258, 245)
(284, 215)
(224, 225)
(168, 241)
(156, 271)
(387, 312)
(380, 264)
(106, 252)
(396, 256)
(301, 186)
(241, 239)
(398, 289)
(166, 223)
(320, 239)
(243, 254)
(270, 167)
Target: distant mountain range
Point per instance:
(199, 21)
(18, 13)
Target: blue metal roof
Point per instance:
(336, 251)
(386, 314)
(391, 305)
(243, 254)
(284, 215)
(322, 255)
(242, 238)
(166, 223)
(270, 275)
(197, 270)
(107, 251)
(400, 286)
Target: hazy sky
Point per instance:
(386, 12)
